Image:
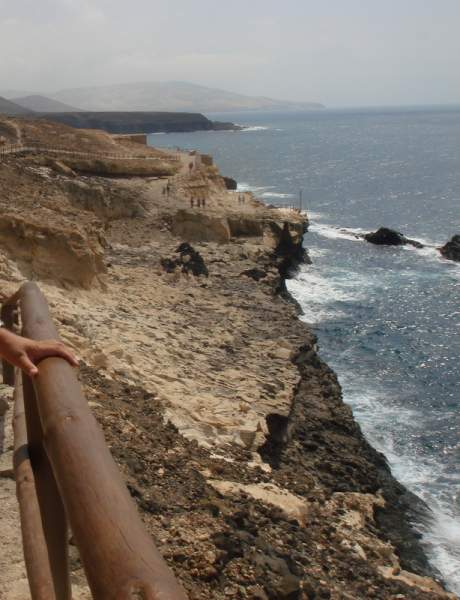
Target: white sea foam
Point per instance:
(332, 232)
(380, 422)
(317, 252)
(312, 215)
(276, 195)
(430, 251)
(319, 296)
(247, 187)
(255, 128)
(320, 293)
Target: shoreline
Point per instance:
(404, 510)
(247, 467)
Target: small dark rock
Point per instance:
(288, 588)
(390, 237)
(230, 183)
(451, 250)
(256, 274)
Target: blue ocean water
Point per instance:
(387, 319)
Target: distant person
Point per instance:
(190, 167)
(199, 202)
(192, 202)
(203, 202)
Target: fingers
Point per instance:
(46, 349)
(27, 365)
(65, 353)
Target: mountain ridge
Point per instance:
(43, 104)
(170, 96)
(11, 109)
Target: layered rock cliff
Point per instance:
(247, 467)
(139, 122)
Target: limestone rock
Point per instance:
(51, 250)
(292, 506)
(200, 227)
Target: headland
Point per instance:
(247, 467)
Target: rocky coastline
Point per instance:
(247, 467)
(139, 122)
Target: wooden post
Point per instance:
(9, 319)
(33, 537)
(118, 555)
(52, 510)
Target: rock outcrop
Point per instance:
(230, 183)
(249, 470)
(138, 122)
(187, 260)
(451, 250)
(390, 237)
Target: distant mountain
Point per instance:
(43, 104)
(10, 94)
(170, 96)
(12, 110)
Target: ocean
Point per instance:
(387, 319)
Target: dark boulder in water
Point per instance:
(390, 237)
(451, 250)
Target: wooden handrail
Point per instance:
(8, 149)
(33, 537)
(118, 555)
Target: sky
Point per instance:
(338, 52)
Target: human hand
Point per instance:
(25, 353)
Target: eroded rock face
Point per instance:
(103, 202)
(390, 237)
(200, 227)
(43, 232)
(451, 250)
(60, 252)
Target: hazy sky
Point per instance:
(340, 52)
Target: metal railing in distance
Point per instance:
(65, 471)
(9, 149)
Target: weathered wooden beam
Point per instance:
(118, 555)
(51, 507)
(8, 316)
(33, 537)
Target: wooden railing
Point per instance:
(8, 149)
(65, 475)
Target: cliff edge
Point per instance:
(248, 469)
